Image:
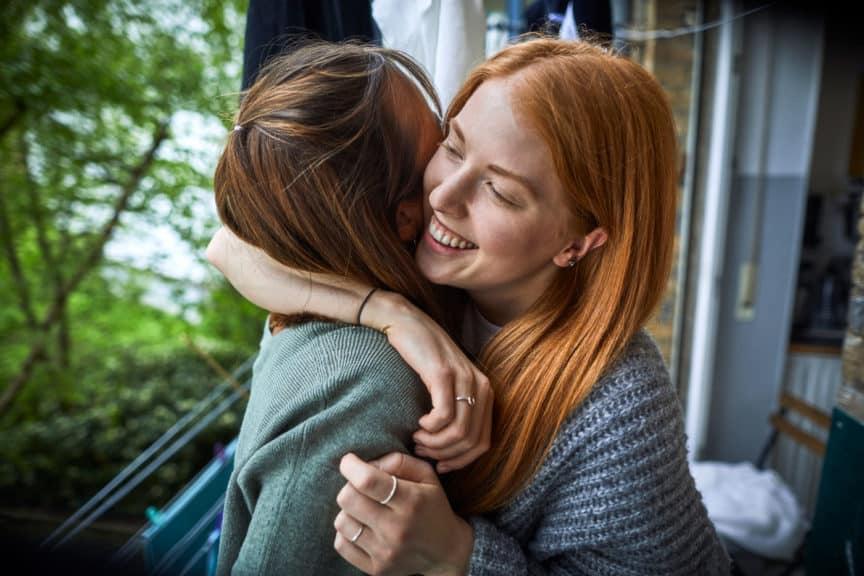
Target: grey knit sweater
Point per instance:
(615, 495)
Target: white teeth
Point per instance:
(446, 240)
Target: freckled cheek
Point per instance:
(498, 236)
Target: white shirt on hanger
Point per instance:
(446, 36)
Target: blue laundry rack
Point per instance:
(183, 538)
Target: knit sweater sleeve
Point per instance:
(615, 495)
(363, 400)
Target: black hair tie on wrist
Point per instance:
(363, 304)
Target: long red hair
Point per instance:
(610, 132)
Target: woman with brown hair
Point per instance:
(323, 173)
(551, 204)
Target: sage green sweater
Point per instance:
(319, 391)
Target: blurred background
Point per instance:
(114, 331)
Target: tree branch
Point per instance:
(14, 264)
(13, 118)
(35, 206)
(137, 174)
(37, 352)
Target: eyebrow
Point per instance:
(494, 167)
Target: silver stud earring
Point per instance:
(571, 263)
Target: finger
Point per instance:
(360, 507)
(350, 527)
(464, 444)
(455, 432)
(366, 478)
(406, 468)
(449, 460)
(484, 442)
(353, 554)
(443, 409)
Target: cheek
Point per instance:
(434, 173)
(501, 233)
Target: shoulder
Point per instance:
(328, 348)
(619, 468)
(319, 364)
(633, 406)
(638, 380)
(342, 385)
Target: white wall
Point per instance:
(780, 74)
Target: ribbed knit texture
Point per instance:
(615, 495)
(319, 391)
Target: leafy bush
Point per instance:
(65, 456)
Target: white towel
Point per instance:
(753, 508)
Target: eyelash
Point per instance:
(452, 151)
(498, 195)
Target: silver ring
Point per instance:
(392, 491)
(469, 399)
(357, 535)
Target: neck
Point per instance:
(497, 309)
(503, 304)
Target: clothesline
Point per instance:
(642, 35)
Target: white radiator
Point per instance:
(815, 379)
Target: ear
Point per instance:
(409, 218)
(568, 257)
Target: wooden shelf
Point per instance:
(816, 349)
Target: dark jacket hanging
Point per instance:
(593, 15)
(270, 22)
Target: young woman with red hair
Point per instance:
(550, 205)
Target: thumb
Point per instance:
(406, 467)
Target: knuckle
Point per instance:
(340, 544)
(387, 559)
(365, 482)
(343, 498)
(412, 505)
(444, 373)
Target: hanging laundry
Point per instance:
(269, 23)
(446, 36)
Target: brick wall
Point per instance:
(671, 61)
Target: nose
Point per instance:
(452, 194)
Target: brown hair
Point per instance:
(611, 134)
(320, 159)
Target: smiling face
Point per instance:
(498, 225)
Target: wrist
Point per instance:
(462, 546)
(382, 309)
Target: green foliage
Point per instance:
(112, 114)
(72, 448)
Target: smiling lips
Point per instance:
(448, 237)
